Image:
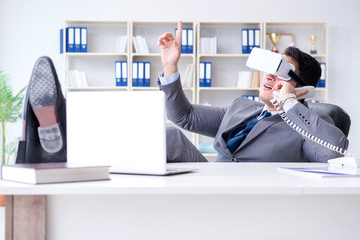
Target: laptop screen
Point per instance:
(125, 129)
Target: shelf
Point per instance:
(95, 54)
(144, 88)
(227, 89)
(96, 89)
(224, 55)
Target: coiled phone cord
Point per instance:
(304, 133)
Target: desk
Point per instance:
(219, 201)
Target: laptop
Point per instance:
(123, 129)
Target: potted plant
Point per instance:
(10, 112)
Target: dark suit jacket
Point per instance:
(271, 140)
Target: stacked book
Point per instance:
(56, 172)
(75, 78)
(208, 45)
(120, 45)
(140, 45)
(248, 79)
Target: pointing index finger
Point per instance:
(179, 32)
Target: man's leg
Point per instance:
(180, 149)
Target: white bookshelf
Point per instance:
(99, 61)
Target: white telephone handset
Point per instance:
(309, 94)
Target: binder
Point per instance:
(117, 73)
(77, 39)
(135, 74)
(147, 80)
(70, 38)
(61, 41)
(244, 41)
(190, 40)
(208, 74)
(83, 37)
(124, 73)
(321, 83)
(257, 37)
(141, 74)
(202, 74)
(184, 43)
(251, 39)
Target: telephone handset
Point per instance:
(309, 94)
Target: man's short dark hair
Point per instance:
(309, 67)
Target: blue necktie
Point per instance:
(239, 133)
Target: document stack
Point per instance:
(187, 80)
(75, 78)
(120, 45)
(75, 39)
(121, 73)
(208, 45)
(248, 79)
(187, 40)
(250, 38)
(140, 45)
(205, 74)
(141, 74)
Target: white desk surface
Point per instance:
(209, 179)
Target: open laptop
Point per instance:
(123, 129)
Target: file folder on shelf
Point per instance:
(184, 41)
(77, 39)
(244, 41)
(135, 74)
(251, 39)
(190, 40)
(147, 80)
(70, 38)
(140, 74)
(257, 37)
(208, 74)
(202, 74)
(61, 41)
(124, 73)
(322, 81)
(118, 73)
(83, 37)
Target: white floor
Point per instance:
(2, 223)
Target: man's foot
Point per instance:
(43, 97)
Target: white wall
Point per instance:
(30, 28)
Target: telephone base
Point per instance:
(349, 162)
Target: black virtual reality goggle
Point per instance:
(273, 63)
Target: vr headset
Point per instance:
(273, 63)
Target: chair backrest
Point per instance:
(340, 117)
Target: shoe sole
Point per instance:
(42, 98)
(43, 92)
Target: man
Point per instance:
(270, 139)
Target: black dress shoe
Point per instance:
(44, 136)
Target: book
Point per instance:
(75, 78)
(120, 44)
(187, 80)
(244, 79)
(321, 172)
(56, 172)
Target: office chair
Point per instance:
(340, 117)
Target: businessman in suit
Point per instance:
(270, 139)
